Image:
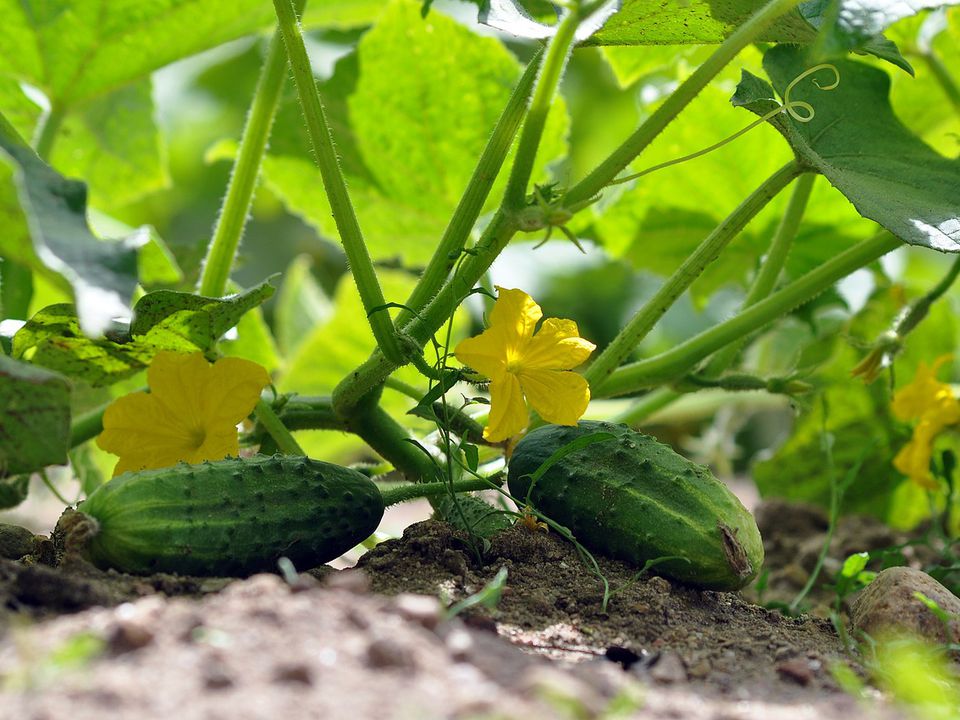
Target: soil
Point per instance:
(376, 641)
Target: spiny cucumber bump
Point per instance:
(636, 499)
(231, 517)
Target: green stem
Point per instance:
(471, 203)
(944, 78)
(340, 205)
(49, 128)
(762, 286)
(412, 491)
(676, 362)
(646, 318)
(918, 311)
(310, 413)
(771, 267)
(601, 176)
(278, 431)
(246, 168)
(382, 433)
(366, 378)
(647, 405)
(409, 390)
(561, 44)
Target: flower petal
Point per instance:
(559, 396)
(913, 460)
(508, 411)
(556, 346)
(231, 391)
(516, 313)
(484, 353)
(912, 400)
(177, 380)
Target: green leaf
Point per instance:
(113, 143)
(401, 129)
(510, 16)
(186, 322)
(301, 305)
(847, 25)
(35, 422)
(164, 320)
(75, 51)
(52, 338)
(102, 274)
(13, 490)
(860, 146)
(652, 22)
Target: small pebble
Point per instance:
(796, 670)
(888, 605)
(216, 676)
(423, 610)
(127, 636)
(293, 674)
(385, 653)
(15, 541)
(669, 669)
(659, 585)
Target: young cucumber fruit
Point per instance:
(230, 517)
(633, 498)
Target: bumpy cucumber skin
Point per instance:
(635, 499)
(231, 517)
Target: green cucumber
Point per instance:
(635, 499)
(230, 517)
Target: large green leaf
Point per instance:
(411, 114)
(164, 320)
(113, 143)
(846, 25)
(858, 143)
(652, 22)
(35, 421)
(75, 51)
(658, 223)
(103, 275)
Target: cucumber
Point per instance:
(635, 499)
(230, 517)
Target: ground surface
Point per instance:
(373, 642)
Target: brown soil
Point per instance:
(77, 643)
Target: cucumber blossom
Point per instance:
(230, 517)
(635, 499)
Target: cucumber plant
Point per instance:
(426, 153)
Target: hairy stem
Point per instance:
(246, 168)
(471, 203)
(771, 267)
(747, 33)
(269, 420)
(646, 318)
(679, 360)
(558, 52)
(412, 491)
(333, 181)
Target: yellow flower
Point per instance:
(932, 403)
(190, 414)
(523, 363)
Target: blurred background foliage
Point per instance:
(156, 151)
